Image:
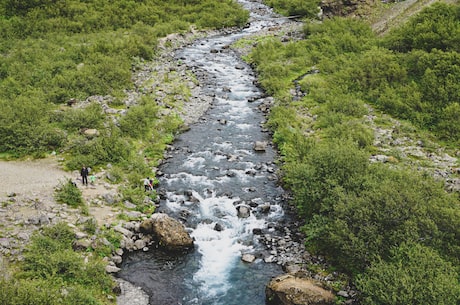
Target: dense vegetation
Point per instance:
(62, 64)
(53, 273)
(393, 229)
(56, 51)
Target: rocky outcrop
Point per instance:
(291, 290)
(168, 232)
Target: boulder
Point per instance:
(168, 232)
(243, 211)
(290, 290)
(81, 245)
(248, 258)
(260, 146)
(91, 133)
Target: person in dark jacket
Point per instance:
(84, 175)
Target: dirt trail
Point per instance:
(36, 180)
(31, 176)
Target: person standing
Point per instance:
(84, 175)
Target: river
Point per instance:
(212, 173)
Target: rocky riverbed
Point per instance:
(27, 187)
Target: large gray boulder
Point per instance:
(168, 232)
(290, 290)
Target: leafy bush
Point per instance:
(357, 213)
(108, 147)
(59, 50)
(139, 120)
(23, 131)
(49, 265)
(79, 118)
(296, 8)
(435, 27)
(327, 171)
(68, 193)
(414, 274)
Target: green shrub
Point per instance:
(49, 265)
(352, 131)
(68, 193)
(20, 292)
(390, 207)
(296, 7)
(139, 120)
(435, 27)
(80, 118)
(414, 274)
(23, 131)
(327, 170)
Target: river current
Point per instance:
(213, 170)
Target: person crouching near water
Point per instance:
(147, 185)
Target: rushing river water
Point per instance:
(214, 170)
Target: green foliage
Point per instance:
(414, 274)
(361, 215)
(139, 120)
(295, 7)
(19, 292)
(49, 265)
(76, 119)
(24, 127)
(68, 193)
(324, 174)
(436, 27)
(109, 147)
(54, 51)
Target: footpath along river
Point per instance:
(214, 176)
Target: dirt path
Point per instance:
(31, 177)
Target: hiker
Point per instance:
(84, 175)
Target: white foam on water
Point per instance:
(190, 179)
(244, 126)
(195, 162)
(220, 249)
(223, 146)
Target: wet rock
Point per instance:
(123, 231)
(291, 290)
(168, 232)
(116, 259)
(139, 244)
(248, 258)
(265, 208)
(260, 146)
(243, 211)
(130, 294)
(218, 227)
(111, 269)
